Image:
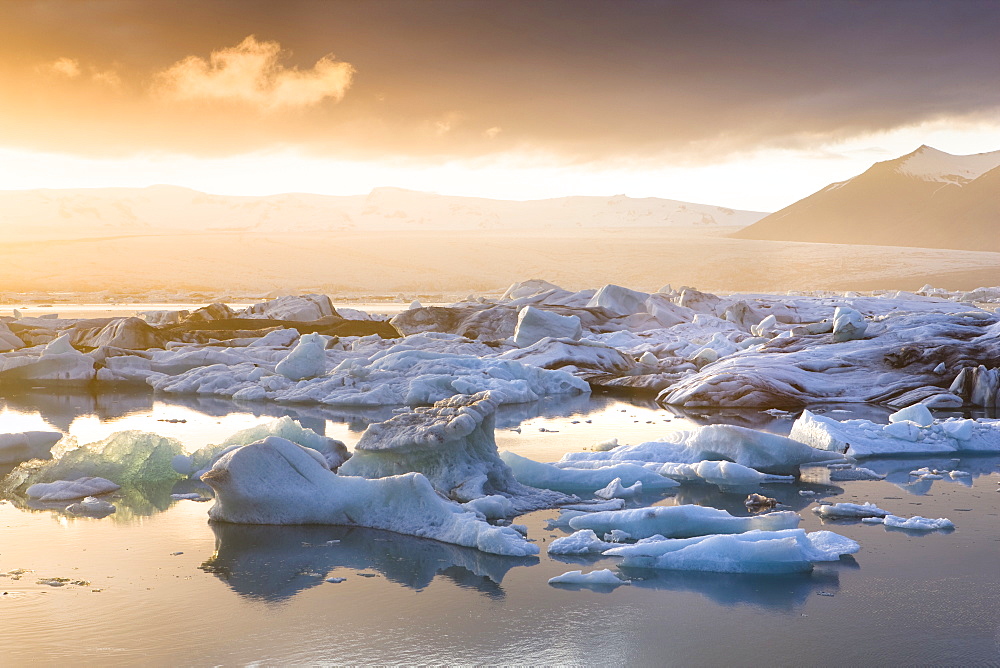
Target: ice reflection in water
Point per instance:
(274, 563)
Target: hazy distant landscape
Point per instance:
(894, 227)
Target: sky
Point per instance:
(744, 104)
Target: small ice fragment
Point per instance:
(615, 490)
(849, 511)
(617, 536)
(918, 414)
(918, 523)
(336, 580)
(601, 577)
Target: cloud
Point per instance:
(251, 72)
(67, 67)
(491, 133)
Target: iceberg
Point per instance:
(22, 446)
(843, 511)
(681, 521)
(848, 324)
(899, 354)
(603, 577)
(570, 480)
(720, 472)
(334, 452)
(68, 490)
(579, 543)
(91, 507)
(306, 360)
(534, 324)
(615, 490)
(275, 481)
(619, 300)
(452, 445)
(398, 375)
(863, 438)
(758, 450)
(769, 552)
(917, 523)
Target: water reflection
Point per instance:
(733, 501)
(897, 469)
(782, 593)
(274, 563)
(60, 409)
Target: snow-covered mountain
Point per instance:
(55, 214)
(927, 198)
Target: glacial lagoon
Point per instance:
(164, 585)
(156, 581)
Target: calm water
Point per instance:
(166, 587)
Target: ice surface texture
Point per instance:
(787, 551)
(452, 445)
(275, 481)
(681, 521)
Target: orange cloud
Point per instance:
(67, 67)
(251, 72)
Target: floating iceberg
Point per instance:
(453, 446)
(68, 490)
(843, 511)
(772, 552)
(275, 481)
(750, 448)
(720, 472)
(534, 324)
(901, 350)
(91, 507)
(20, 447)
(589, 480)
(306, 360)
(681, 521)
(397, 376)
(334, 452)
(917, 523)
(863, 438)
(615, 490)
(579, 543)
(603, 577)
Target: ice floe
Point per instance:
(603, 577)
(757, 450)
(864, 438)
(275, 481)
(576, 481)
(771, 552)
(681, 521)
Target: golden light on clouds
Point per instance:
(67, 67)
(491, 91)
(252, 72)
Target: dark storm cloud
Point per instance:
(586, 80)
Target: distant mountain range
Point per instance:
(102, 212)
(927, 198)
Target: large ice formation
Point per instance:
(758, 450)
(681, 521)
(771, 552)
(582, 480)
(453, 446)
(863, 438)
(275, 481)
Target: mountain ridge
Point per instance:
(926, 198)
